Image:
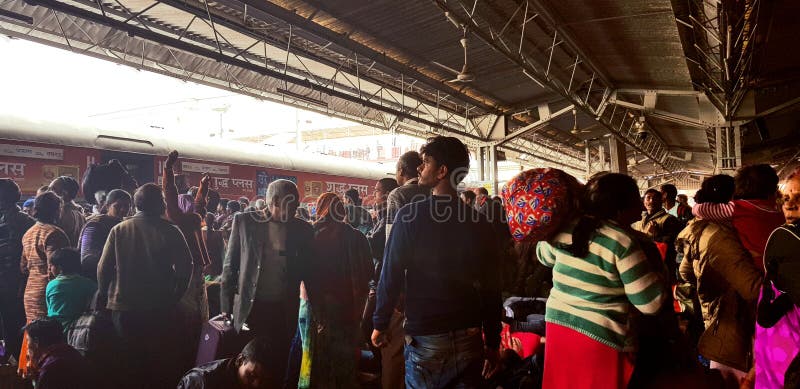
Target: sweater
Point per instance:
(68, 296)
(442, 253)
(593, 295)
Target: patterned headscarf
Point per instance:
(329, 204)
(538, 202)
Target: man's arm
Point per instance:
(201, 199)
(106, 268)
(174, 212)
(230, 267)
(393, 274)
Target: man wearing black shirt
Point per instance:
(442, 251)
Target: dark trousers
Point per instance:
(272, 321)
(12, 314)
(150, 348)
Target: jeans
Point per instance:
(449, 360)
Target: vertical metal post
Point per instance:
(493, 165)
(619, 160)
(482, 163)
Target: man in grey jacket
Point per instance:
(268, 256)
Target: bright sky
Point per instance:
(52, 84)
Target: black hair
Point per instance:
(244, 201)
(9, 192)
(469, 195)
(388, 184)
(223, 203)
(755, 182)
(352, 194)
(654, 192)
(715, 189)
(47, 207)
(450, 152)
(483, 191)
(67, 259)
(670, 190)
(409, 163)
(70, 186)
(213, 201)
(303, 214)
(604, 197)
(149, 199)
(45, 332)
(234, 206)
(258, 350)
(117, 195)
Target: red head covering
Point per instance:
(329, 204)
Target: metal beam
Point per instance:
(543, 121)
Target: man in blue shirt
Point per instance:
(443, 252)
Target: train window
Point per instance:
(124, 139)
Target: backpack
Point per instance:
(106, 177)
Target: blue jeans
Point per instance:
(449, 360)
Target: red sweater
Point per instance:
(754, 220)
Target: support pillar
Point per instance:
(619, 159)
(482, 163)
(493, 169)
(729, 149)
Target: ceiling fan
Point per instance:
(575, 130)
(464, 75)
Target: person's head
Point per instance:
(42, 189)
(330, 207)
(100, 198)
(282, 200)
(193, 191)
(791, 199)
(65, 261)
(668, 193)
(253, 363)
(351, 196)
(468, 197)
(715, 189)
(756, 182)
(223, 205)
(233, 206)
(608, 197)
(27, 206)
(260, 204)
(47, 208)
(9, 193)
(683, 199)
(182, 183)
(150, 200)
(212, 201)
(118, 203)
(653, 201)
(42, 334)
(65, 187)
(482, 193)
(382, 189)
(244, 201)
(302, 214)
(407, 167)
(445, 163)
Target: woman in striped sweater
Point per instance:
(599, 273)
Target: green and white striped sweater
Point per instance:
(593, 295)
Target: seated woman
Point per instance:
(70, 293)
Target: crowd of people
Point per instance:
(634, 290)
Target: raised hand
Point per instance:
(172, 158)
(206, 180)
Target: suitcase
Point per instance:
(219, 340)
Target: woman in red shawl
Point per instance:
(337, 289)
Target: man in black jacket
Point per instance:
(248, 370)
(268, 256)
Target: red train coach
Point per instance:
(34, 152)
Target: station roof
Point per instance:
(657, 64)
